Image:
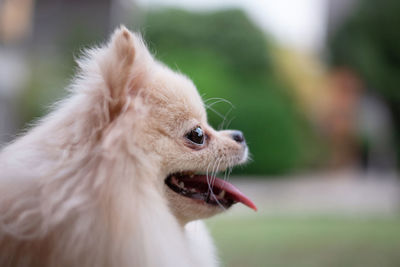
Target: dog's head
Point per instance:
(172, 130)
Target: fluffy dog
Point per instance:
(112, 176)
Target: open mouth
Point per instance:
(210, 190)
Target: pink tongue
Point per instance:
(229, 188)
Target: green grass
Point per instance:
(309, 242)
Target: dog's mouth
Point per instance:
(206, 189)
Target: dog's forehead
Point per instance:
(180, 93)
(189, 95)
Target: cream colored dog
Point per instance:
(112, 177)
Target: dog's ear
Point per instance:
(124, 66)
(118, 73)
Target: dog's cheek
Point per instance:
(170, 152)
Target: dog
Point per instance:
(120, 172)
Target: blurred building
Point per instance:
(44, 28)
(15, 26)
(338, 11)
(56, 20)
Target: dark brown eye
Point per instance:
(196, 136)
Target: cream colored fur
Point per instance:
(85, 187)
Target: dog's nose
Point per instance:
(238, 136)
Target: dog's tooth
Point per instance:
(181, 184)
(193, 190)
(221, 194)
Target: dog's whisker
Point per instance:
(212, 193)
(216, 112)
(219, 99)
(226, 172)
(230, 121)
(213, 175)
(208, 179)
(211, 181)
(221, 126)
(229, 169)
(223, 117)
(230, 172)
(216, 170)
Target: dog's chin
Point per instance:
(186, 209)
(194, 196)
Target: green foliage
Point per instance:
(226, 55)
(228, 33)
(42, 89)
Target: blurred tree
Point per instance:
(369, 42)
(227, 56)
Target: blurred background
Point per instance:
(313, 84)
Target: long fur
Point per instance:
(84, 187)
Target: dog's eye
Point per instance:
(196, 136)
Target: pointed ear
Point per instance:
(123, 67)
(118, 70)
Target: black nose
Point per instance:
(238, 136)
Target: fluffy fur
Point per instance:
(85, 187)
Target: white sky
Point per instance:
(297, 23)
